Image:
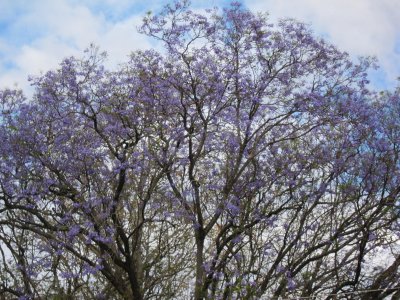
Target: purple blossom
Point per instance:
(291, 284)
(233, 209)
(68, 275)
(240, 151)
(73, 231)
(91, 270)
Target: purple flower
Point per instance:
(237, 239)
(233, 209)
(91, 270)
(280, 269)
(291, 284)
(73, 231)
(68, 275)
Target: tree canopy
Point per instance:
(244, 161)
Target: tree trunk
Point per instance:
(200, 274)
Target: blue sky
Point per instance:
(36, 34)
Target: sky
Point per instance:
(35, 35)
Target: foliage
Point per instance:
(246, 160)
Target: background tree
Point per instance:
(246, 161)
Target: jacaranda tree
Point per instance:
(243, 161)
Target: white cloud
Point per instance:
(67, 28)
(360, 27)
(50, 30)
(122, 38)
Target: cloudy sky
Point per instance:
(36, 34)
